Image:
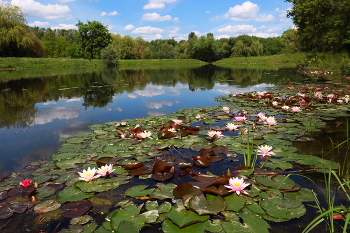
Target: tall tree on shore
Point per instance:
(322, 25)
(15, 38)
(93, 36)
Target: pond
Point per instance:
(41, 109)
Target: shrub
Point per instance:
(109, 56)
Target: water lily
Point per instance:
(213, 133)
(105, 170)
(271, 121)
(265, 150)
(296, 109)
(318, 94)
(231, 126)
(262, 116)
(225, 109)
(237, 185)
(88, 174)
(25, 183)
(346, 98)
(145, 134)
(285, 107)
(274, 103)
(240, 118)
(176, 122)
(173, 130)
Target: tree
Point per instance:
(291, 40)
(256, 48)
(166, 51)
(109, 56)
(15, 38)
(205, 49)
(93, 36)
(322, 25)
(239, 49)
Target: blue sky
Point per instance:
(163, 19)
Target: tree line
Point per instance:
(321, 25)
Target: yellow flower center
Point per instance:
(236, 184)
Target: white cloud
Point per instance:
(246, 12)
(108, 14)
(207, 12)
(158, 104)
(176, 20)
(156, 17)
(265, 35)
(38, 10)
(46, 115)
(64, 26)
(129, 27)
(222, 36)
(172, 30)
(234, 29)
(39, 24)
(66, 0)
(157, 4)
(147, 30)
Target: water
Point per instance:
(40, 107)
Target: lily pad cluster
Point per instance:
(170, 171)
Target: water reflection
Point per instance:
(38, 110)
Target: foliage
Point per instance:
(15, 39)
(323, 25)
(93, 36)
(109, 56)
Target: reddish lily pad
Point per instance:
(107, 160)
(76, 209)
(133, 165)
(186, 190)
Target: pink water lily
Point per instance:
(296, 109)
(271, 121)
(177, 122)
(231, 126)
(105, 170)
(240, 118)
(237, 185)
(265, 150)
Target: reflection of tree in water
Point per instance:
(17, 104)
(98, 86)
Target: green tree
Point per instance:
(256, 48)
(239, 49)
(323, 25)
(273, 45)
(167, 51)
(140, 47)
(291, 40)
(15, 38)
(205, 49)
(109, 56)
(93, 36)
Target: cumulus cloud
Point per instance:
(157, 4)
(274, 29)
(109, 14)
(171, 30)
(234, 29)
(246, 12)
(158, 104)
(129, 27)
(156, 17)
(147, 30)
(37, 10)
(64, 26)
(39, 24)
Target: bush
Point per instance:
(109, 56)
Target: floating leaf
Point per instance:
(169, 227)
(47, 206)
(182, 217)
(81, 220)
(126, 226)
(76, 209)
(101, 185)
(72, 194)
(138, 191)
(202, 206)
(277, 182)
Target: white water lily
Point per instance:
(88, 174)
(105, 170)
(231, 126)
(145, 134)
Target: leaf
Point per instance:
(186, 190)
(76, 209)
(101, 185)
(164, 191)
(182, 217)
(47, 206)
(127, 226)
(72, 194)
(138, 191)
(277, 182)
(235, 202)
(169, 227)
(202, 206)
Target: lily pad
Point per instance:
(47, 206)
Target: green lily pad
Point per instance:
(277, 182)
(72, 194)
(138, 191)
(235, 202)
(182, 217)
(101, 185)
(202, 206)
(169, 227)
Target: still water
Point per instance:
(40, 107)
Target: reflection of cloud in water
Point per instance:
(159, 104)
(49, 102)
(237, 90)
(150, 93)
(71, 100)
(156, 113)
(132, 96)
(111, 109)
(46, 115)
(73, 128)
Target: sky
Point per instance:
(163, 19)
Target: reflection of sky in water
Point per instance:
(65, 117)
